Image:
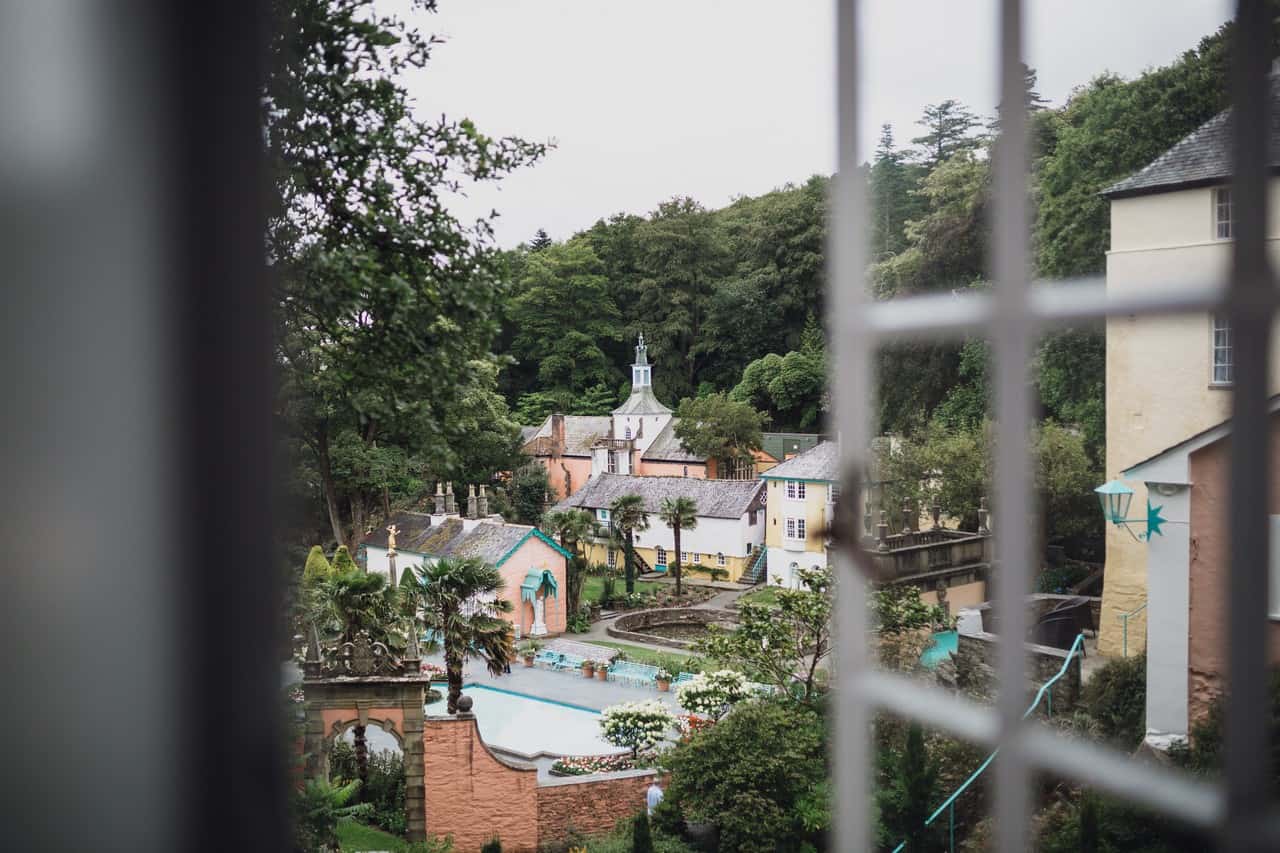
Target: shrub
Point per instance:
(636, 725)
(641, 838)
(342, 561)
(318, 807)
(757, 774)
(317, 566)
(493, 845)
(579, 623)
(1116, 698)
(586, 764)
(608, 589)
(711, 694)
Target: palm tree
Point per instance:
(628, 515)
(572, 526)
(461, 608)
(678, 514)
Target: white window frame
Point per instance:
(686, 557)
(611, 558)
(795, 528)
(611, 462)
(1223, 214)
(660, 556)
(603, 515)
(796, 490)
(833, 493)
(720, 560)
(1221, 351)
(1013, 316)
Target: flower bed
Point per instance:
(582, 765)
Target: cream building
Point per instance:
(1168, 378)
(801, 495)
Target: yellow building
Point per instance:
(800, 497)
(728, 535)
(1168, 377)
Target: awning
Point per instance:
(538, 580)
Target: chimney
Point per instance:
(471, 501)
(439, 498)
(450, 505)
(557, 434)
(482, 502)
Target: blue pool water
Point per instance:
(944, 643)
(526, 725)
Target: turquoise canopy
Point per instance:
(538, 580)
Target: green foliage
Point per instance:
(641, 837)
(383, 789)
(342, 561)
(782, 644)
(317, 566)
(540, 241)
(348, 601)
(679, 514)
(911, 797)
(382, 297)
(719, 427)
(527, 493)
(1101, 823)
(947, 132)
(789, 389)
(627, 515)
(900, 608)
(1204, 753)
(761, 791)
(712, 694)
(494, 845)
(459, 603)
(573, 527)
(318, 808)
(637, 726)
(1089, 824)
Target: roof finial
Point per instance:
(642, 353)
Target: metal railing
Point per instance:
(949, 804)
(1124, 628)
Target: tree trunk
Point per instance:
(359, 521)
(630, 565)
(362, 757)
(675, 532)
(453, 671)
(330, 490)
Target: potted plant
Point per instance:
(588, 668)
(529, 651)
(602, 670)
(663, 678)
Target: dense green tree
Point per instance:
(481, 435)
(791, 389)
(573, 527)
(527, 493)
(317, 566)
(906, 803)
(756, 788)
(540, 241)
(382, 296)
(893, 199)
(342, 561)
(720, 428)
(627, 516)
(679, 514)
(562, 315)
(461, 608)
(641, 836)
(948, 130)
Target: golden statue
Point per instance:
(392, 530)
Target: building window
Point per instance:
(720, 561)
(686, 471)
(611, 559)
(603, 515)
(1223, 355)
(628, 433)
(795, 490)
(613, 462)
(833, 493)
(684, 557)
(751, 517)
(1223, 211)
(795, 528)
(660, 556)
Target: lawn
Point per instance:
(353, 836)
(767, 596)
(594, 585)
(673, 660)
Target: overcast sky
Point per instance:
(719, 98)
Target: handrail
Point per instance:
(950, 801)
(1124, 628)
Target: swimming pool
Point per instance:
(528, 726)
(944, 643)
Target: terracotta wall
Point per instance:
(653, 468)
(535, 553)
(579, 468)
(473, 795)
(1207, 658)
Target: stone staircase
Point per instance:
(758, 571)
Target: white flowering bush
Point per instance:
(636, 725)
(711, 694)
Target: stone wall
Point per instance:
(473, 794)
(632, 626)
(973, 670)
(590, 806)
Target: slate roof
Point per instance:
(488, 540)
(715, 498)
(580, 432)
(780, 444)
(668, 448)
(527, 434)
(822, 462)
(1202, 158)
(642, 402)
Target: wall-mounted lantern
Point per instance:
(1115, 498)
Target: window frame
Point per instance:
(1219, 324)
(660, 557)
(1221, 225)
(795, 528)
(795, 490)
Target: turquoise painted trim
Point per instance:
(473, 685)
(525, 538)
(950, 801)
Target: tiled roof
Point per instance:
(780, 445)
(819, 463)
(527, 433)
(642, 402)
(488, 540)
(580, 432)
(715, 498)
(669, 448)
(1204, 157)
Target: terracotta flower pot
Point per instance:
(664, 686)
(602, 674)
(588, 670)
(528, 660)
